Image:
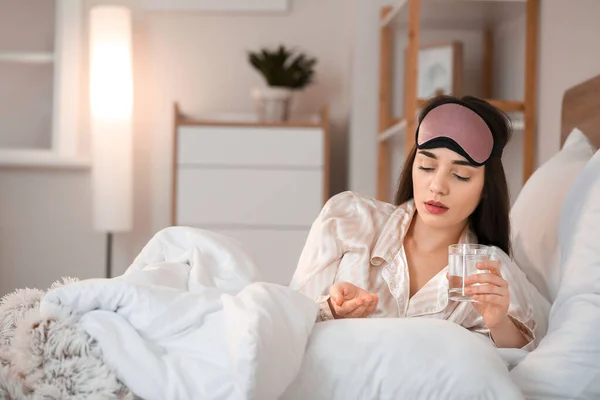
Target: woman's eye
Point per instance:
(462, 178)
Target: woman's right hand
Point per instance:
(349, 301)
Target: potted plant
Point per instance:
(284, 72)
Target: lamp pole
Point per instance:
(109, 243)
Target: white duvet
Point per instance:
(189, 321)
(173, 330)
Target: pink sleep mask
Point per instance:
(460, 129)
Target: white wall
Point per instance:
(45, 231)
(362, 157)
(198, 60)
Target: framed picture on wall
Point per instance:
(440, 70)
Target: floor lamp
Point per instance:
(111, 102)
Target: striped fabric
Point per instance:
(359, 240)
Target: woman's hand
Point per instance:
(349, 301)
(491, 295)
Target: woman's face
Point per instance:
(447, 188)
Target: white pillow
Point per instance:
(400, 358)
(566, 364)
(534, 216)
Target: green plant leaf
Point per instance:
(283, 68)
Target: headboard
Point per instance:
(581, 109)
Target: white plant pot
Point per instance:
(273, 103)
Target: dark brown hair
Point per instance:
(490, 221)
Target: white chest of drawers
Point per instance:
(262, 184)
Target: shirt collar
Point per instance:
(391, 238)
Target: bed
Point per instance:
(555, 230)
(188, 320)
(581, 109)
(557, 247)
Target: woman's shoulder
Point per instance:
(350, 203)
(355, 200)
(358, 217)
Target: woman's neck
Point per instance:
(428, 238)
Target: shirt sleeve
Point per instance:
(524, 325)
(520, 310)
(322, 252)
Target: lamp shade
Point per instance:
(111, 101)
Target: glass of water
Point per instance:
(462, 261)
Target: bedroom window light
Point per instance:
(40, 70)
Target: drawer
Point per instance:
(275, 252)
(248, 146)
(261, 197)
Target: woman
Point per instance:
(367, 258)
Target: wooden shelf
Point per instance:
(394, 14)
(504, 105)
(397, 129)
(483, 16)
(27, 58)
(517, 122)
(456, 14)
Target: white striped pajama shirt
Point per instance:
(359, 240)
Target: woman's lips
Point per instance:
(435, 207)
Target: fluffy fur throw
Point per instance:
(50, 358)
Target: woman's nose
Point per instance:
(439, 183)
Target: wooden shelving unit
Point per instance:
(413, 16)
